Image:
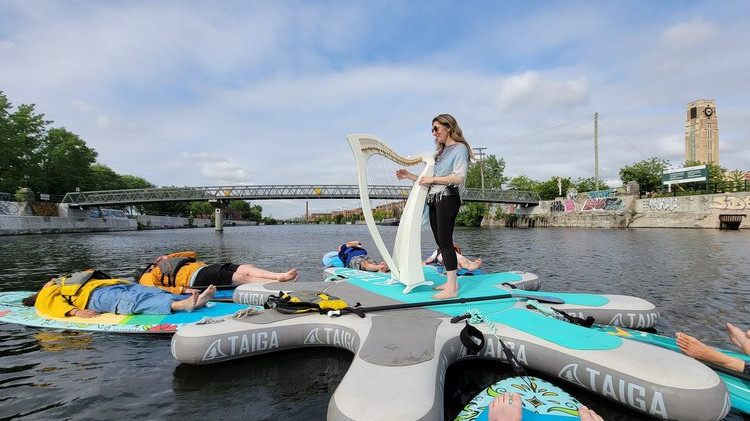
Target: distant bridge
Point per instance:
(270, 192)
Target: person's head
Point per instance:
(140, 270)
(445, 127)
(30, 301)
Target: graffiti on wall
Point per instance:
(9, 208)
(657, 204)
(609, 204)
(730, 202)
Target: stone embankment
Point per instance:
(725, 210)
(48, 218)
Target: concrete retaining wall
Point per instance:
(701, 211)
(17, 218)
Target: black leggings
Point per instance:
(443, 212)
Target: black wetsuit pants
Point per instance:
(443, 211)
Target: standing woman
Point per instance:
(443, 200)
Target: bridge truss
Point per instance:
(271, 192)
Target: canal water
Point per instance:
(697, 278)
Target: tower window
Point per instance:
(694, 112)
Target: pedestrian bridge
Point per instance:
(270, 192)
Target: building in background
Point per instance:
(702, 132)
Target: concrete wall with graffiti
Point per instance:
(626, 211)
(703, 211)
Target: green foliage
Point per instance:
(22, 135)
(471, 214)
(586, 184)
(522, 182)
(647, 173)
(201, 208)
(65, 161)
(493, 170)
(549, 190)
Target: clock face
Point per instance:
(708, 111)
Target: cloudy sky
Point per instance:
(208, 93)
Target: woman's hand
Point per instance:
(86, 314)
(426, 181)
(402, 173)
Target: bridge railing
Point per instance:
(269, 192)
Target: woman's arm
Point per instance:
(450, 180)
(402, 173)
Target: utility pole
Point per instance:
(596, 149)
(480, 153)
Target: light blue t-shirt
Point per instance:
(453, 161)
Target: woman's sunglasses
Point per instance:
(435, 128)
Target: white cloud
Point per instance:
(265, 92)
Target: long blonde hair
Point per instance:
(454, 132)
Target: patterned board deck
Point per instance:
(542, 400)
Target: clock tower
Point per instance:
(702, 132)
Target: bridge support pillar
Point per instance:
(219, 206)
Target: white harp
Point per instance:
(405, 262)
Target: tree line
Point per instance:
(56, 161)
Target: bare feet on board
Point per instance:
(506, 408)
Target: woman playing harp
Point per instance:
(443, 200)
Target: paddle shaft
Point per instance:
(551, 300)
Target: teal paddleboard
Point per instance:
(541, 400)
(737, 384)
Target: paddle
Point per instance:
(360, 311)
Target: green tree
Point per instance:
(647, 173)
(737, 178)
(522, 182)
(66, 162)
(585, 184)
(201, 208)
(135, 182)
(22, 135)
(493, 169)
(548, 190)
(471, 214)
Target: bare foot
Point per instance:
(692, 347)
(439, 287)
(506, 408)
(187, 304)
(445, 293)
(205, 296)
(383, 268)
(587, 414)
(475, 265)
(290, 275)
(739, 338)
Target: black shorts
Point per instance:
(218, 275)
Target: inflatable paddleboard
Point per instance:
(511, 280)
(737, 384)
(541, 400)
(13, 311)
